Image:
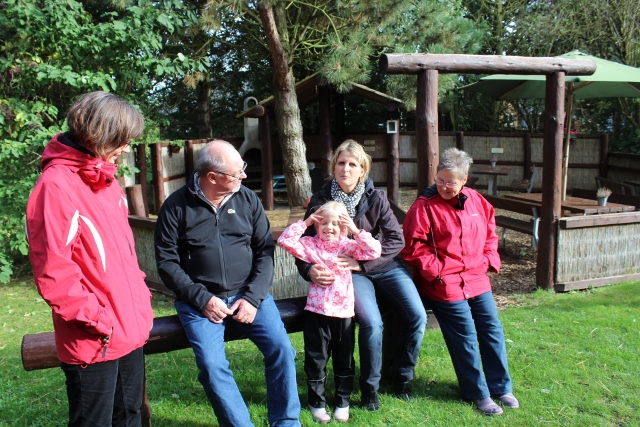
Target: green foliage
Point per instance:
(51, 52)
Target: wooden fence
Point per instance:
(287, 283)
(623, 167)
(171, 163)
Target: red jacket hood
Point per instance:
(96, 173)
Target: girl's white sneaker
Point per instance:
(341, 414)
(320, 415)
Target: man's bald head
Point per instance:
(215, 157)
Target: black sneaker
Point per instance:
(370, 402)
(403, 391)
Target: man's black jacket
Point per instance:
(201, 253)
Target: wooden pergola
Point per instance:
(312, 90)
(428, 66)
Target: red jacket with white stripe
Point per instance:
(83, 256)
(465, 241)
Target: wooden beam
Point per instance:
(264, 124)
(460, 141)
(600, 220)
(594, 283)
(141, 222)
(604, 154)
(393, 165)
(428, 146)
(134, 200)
(415, 63)
(551, 180)
(157, 174)
(189, 161)
(141, 164)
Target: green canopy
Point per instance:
(611, 80)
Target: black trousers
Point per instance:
(326, 337)
(106, 394)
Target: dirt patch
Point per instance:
(518, 273)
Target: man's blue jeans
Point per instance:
(475, 339)
(396, 289)
(268, 334)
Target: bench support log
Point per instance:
(39, 350)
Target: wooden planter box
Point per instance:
(597, 250)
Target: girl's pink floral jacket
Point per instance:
(337, 299)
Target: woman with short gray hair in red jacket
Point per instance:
(451, 243)
(85, 266)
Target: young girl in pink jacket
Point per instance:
(329, 326)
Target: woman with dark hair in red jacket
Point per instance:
(85, 266)
(451, 243)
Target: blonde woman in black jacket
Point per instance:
(380, 281)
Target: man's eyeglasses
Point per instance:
(441, 183)
(244, 167)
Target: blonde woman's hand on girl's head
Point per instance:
(314, 218)
(347, 222)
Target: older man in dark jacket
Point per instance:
(215, 251)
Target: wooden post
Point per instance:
(134, 200)
(145, 409)
(604, 155)
(393, 164)
(157, 172)
(141, 164)
(338, 101)
(567, 140)
(526, 146)
(264, 123)
(460, 141)
(325, 130)
(428, 146)
(189, 161)
(551, 180)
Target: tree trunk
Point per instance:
(294, 153)
(203, 90)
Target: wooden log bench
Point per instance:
(39, 350)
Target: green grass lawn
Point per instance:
(574, 360)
